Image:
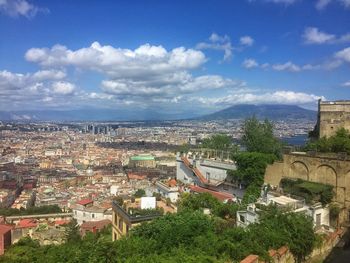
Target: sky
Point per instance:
(175, 57)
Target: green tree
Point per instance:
(140, 193)
(340, 142)
(219, 142)
(258, 137)
(72, 231)
(250, 172)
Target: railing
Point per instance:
(132, 218)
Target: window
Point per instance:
(115, 219)
(241, 218)
(84, 214)
(93, 215)
(120, 224)
(318, 219)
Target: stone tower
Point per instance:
(333, 115)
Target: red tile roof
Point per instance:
(85, 201)
(172, 182)
(282, 250)
(195, 170)
(218, 195)
(61, 222)
(26, 223)
(272, 252)
(95, 224)
(250, 259)
(136, 176)
(4, 229)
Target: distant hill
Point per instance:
(88, 115)
(272, 112)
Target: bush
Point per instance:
(311, 191)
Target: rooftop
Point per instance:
(85, 201)
(218, 195)
(142, 157)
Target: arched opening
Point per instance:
(299, 170)
(326, 174)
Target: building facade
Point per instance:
(333, 115)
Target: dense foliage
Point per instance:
(189, 236)
(199, 202)
(220, 142)
(140, 193)
(311, 191)
(72, 231)
(135, 211)
(46, 209)
(340, 142)
(258, 137)
(250, 171)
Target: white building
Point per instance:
(208, 173)
(85, 211)
(318, 213)
(168, 190)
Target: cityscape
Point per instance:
(159, 131)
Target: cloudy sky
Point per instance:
(172, 56)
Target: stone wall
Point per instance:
(332, 116)
(326, 169)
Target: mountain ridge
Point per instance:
(269, 111)
(241, 111)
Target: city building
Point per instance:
(94, 226)
(318, 213)
(168, 189)
(85, 210)
(207, 173)
(5, 237)
(142, 160)
(134, 212)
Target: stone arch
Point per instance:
(347, 185)
(326, 174)
(299, 169)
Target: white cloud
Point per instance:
(250, 63)
(217, 38)
(288, 66)
(18, 80)
(346, 3)
(313, 35)
(282, 1)
(346, 84)
(146, 60)
(285, 2)
(180, 84)
(48, 74)
(15, 8)
(292, 67)
(277, 97)
(63, 88)
(217, 42)
(246, 41)
(321, 4)
(31, 89)
(343, 55)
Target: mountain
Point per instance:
(88, 115)
(272, 112)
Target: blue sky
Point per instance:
(172, 56)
